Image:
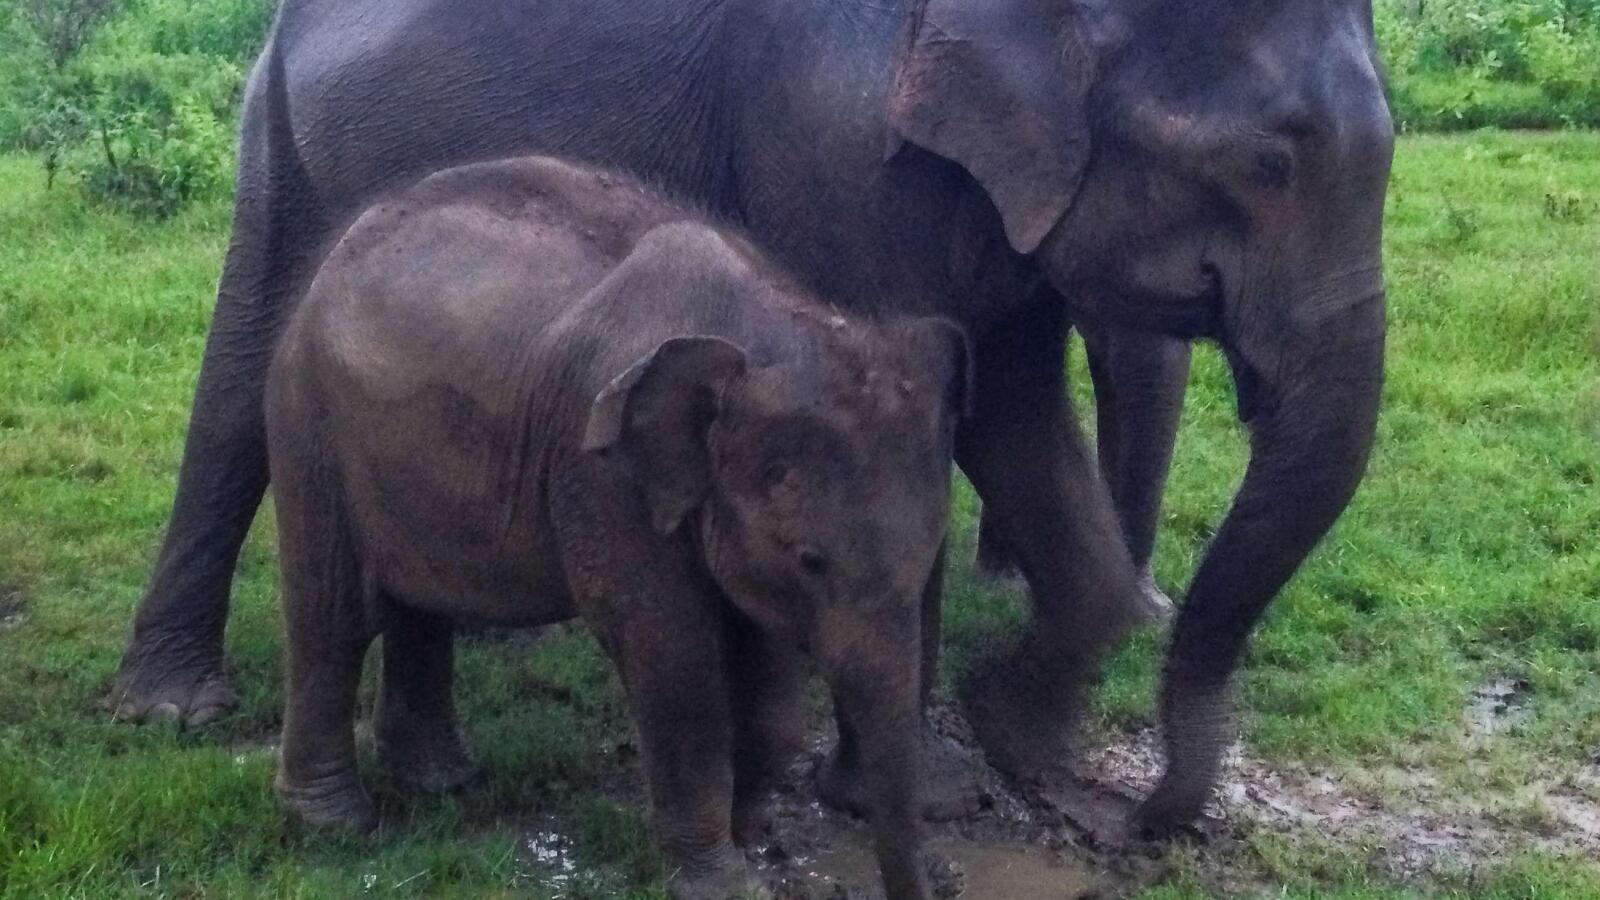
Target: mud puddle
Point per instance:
(1067, 836)
(958, 868)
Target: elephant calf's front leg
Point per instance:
(673, 667)
(953, 786)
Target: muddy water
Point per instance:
(973, 870)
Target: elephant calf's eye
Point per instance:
(1273, 168)
(773, 475)
(813, 562)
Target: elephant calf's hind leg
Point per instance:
(328, 635)
(419, 738)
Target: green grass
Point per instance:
(1472, 551)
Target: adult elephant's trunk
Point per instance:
(1312, 420)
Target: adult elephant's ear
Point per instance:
(1000, 87)
(657, 412)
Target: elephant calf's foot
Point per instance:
(172, 678)
(434, 760)
(333, 801)
(952, 782)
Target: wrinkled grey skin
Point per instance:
(523, 391)
(1201, 169)
(1139, 382)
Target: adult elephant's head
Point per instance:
(1207, 168)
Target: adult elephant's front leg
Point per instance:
(1028, 460)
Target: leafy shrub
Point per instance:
(231, 30)
(1507, 63)
(156, 169)
(63, 26)
(156, 84)
(140, 131)
(142, 118)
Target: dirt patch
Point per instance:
(546, 855)
(1020, 845)
(1420, 827)
(1014, 847)
(13, 607)
(1066, 837)
(1498, 706)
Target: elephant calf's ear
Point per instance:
(657, 413)
(952, 349)
(1001, 87)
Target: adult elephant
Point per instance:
(1196, 168)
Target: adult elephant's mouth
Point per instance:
(1192, 310)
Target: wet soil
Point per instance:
(1497, 706)
(13, 607)
(1066, 837)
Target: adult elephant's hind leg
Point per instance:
(994, 559)
(1139, 383)
(1028, 460)
(173, 667)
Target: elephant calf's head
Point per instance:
(819, 482)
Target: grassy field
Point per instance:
(1470, 557)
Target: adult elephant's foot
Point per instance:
(335, 801)
(1198, 726)
(435, 759)
(1170, 809)
(952, 781)
(172, 677)
(1153, 603)
(730, 879)
(1023, 712)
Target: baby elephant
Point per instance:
(524, 391)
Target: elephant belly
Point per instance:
(460, 571)
(448, 513)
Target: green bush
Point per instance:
(139, 131)
(141, 118)
(135, 99)
(231, 30)
(156, 169)
(1457, 64)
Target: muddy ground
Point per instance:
(1066, 837)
